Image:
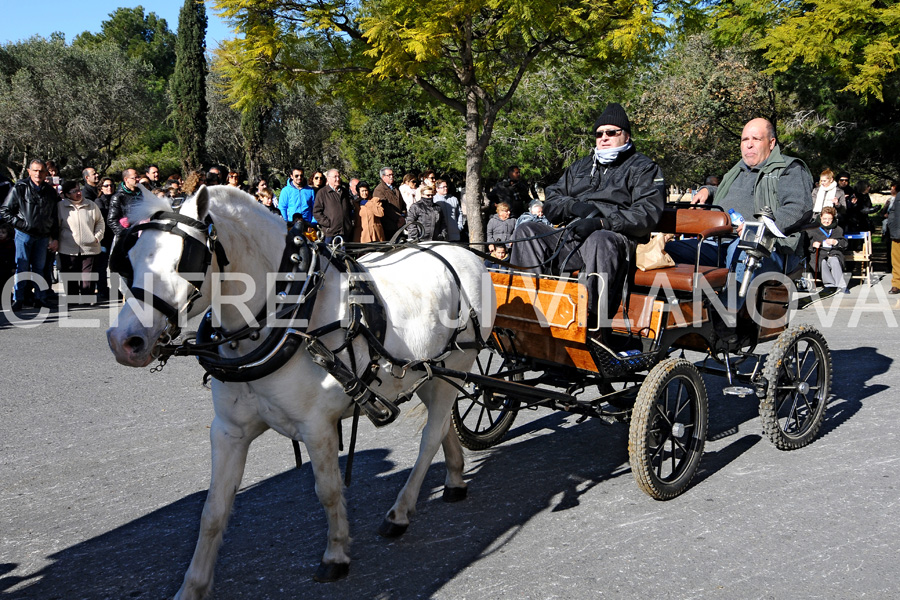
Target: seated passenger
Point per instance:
(762, 178)
(827, 243)
(615, 196)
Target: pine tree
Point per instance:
(188, 87)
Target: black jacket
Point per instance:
(629, 193)
(515, 193)
(431, 217)
(118, 208)
(32, 210)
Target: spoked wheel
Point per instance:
(482, 417)
(668, 428)
(798, 371)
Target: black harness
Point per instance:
(303, 267)
(200, 243)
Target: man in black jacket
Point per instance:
(612, 200)
(31, 208)
(513, 190)
(127, 193)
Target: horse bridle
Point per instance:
(200, 244)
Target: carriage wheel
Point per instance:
(482, 417)
(668, 428)
(798, 371)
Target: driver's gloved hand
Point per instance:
(583, 228)
(583, 209)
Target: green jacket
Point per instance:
(790, 207)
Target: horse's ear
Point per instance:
(202, 199)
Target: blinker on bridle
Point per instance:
(200, 243)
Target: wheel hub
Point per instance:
(803, 387)
(678, 430)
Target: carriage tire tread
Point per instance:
(639, 423)
(770, 372)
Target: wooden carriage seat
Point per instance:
(703, 223)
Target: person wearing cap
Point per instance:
(611, 199)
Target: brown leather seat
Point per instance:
(680, 277)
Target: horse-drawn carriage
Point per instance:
(292, 343)
(543, 353)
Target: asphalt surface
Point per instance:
(103, 472)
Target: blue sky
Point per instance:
(20, 20)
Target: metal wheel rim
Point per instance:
(801, 387)
(670, 454)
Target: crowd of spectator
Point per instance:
(47, 221)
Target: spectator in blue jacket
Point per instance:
(297, 198)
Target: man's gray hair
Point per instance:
(125, 173)
(382, 170)
(37, 161)
(770, 129)
(84, 173)
(330, 171)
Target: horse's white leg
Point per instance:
(455, 487)
(322, 443)
(230, 442)
(438, 397)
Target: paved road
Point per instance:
(103, 471)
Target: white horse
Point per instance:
(301, 400)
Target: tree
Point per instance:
(79, 106)
(695, 104)
(188, 90)
(469, 57)
(144, 37)
(856, 41)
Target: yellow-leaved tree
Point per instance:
(469, 55)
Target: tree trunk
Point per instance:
(476, 146)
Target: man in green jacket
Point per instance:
(762, 178)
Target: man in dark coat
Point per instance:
(90, 191)
(333, 209)
(513, 190)
(31, 208)
(394, 207)
(127, 193)
(612, 200)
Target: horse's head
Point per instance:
(164, 260)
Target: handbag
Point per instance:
(653, 255)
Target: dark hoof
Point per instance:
(455, 494)
(328, 572)
(391, 530)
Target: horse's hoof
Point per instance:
(328, 572)
(455, 494)
(391, 530)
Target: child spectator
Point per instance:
(500, 258)
(266, 198)
(827, 247)
(500, 227)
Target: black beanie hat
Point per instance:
(613, 115)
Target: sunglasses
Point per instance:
(609, 132)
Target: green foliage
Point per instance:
(188, 85)
(144, 37)
(167, 158)
(857, 41)
(81, 106)
(694, 106)
(469, 56)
